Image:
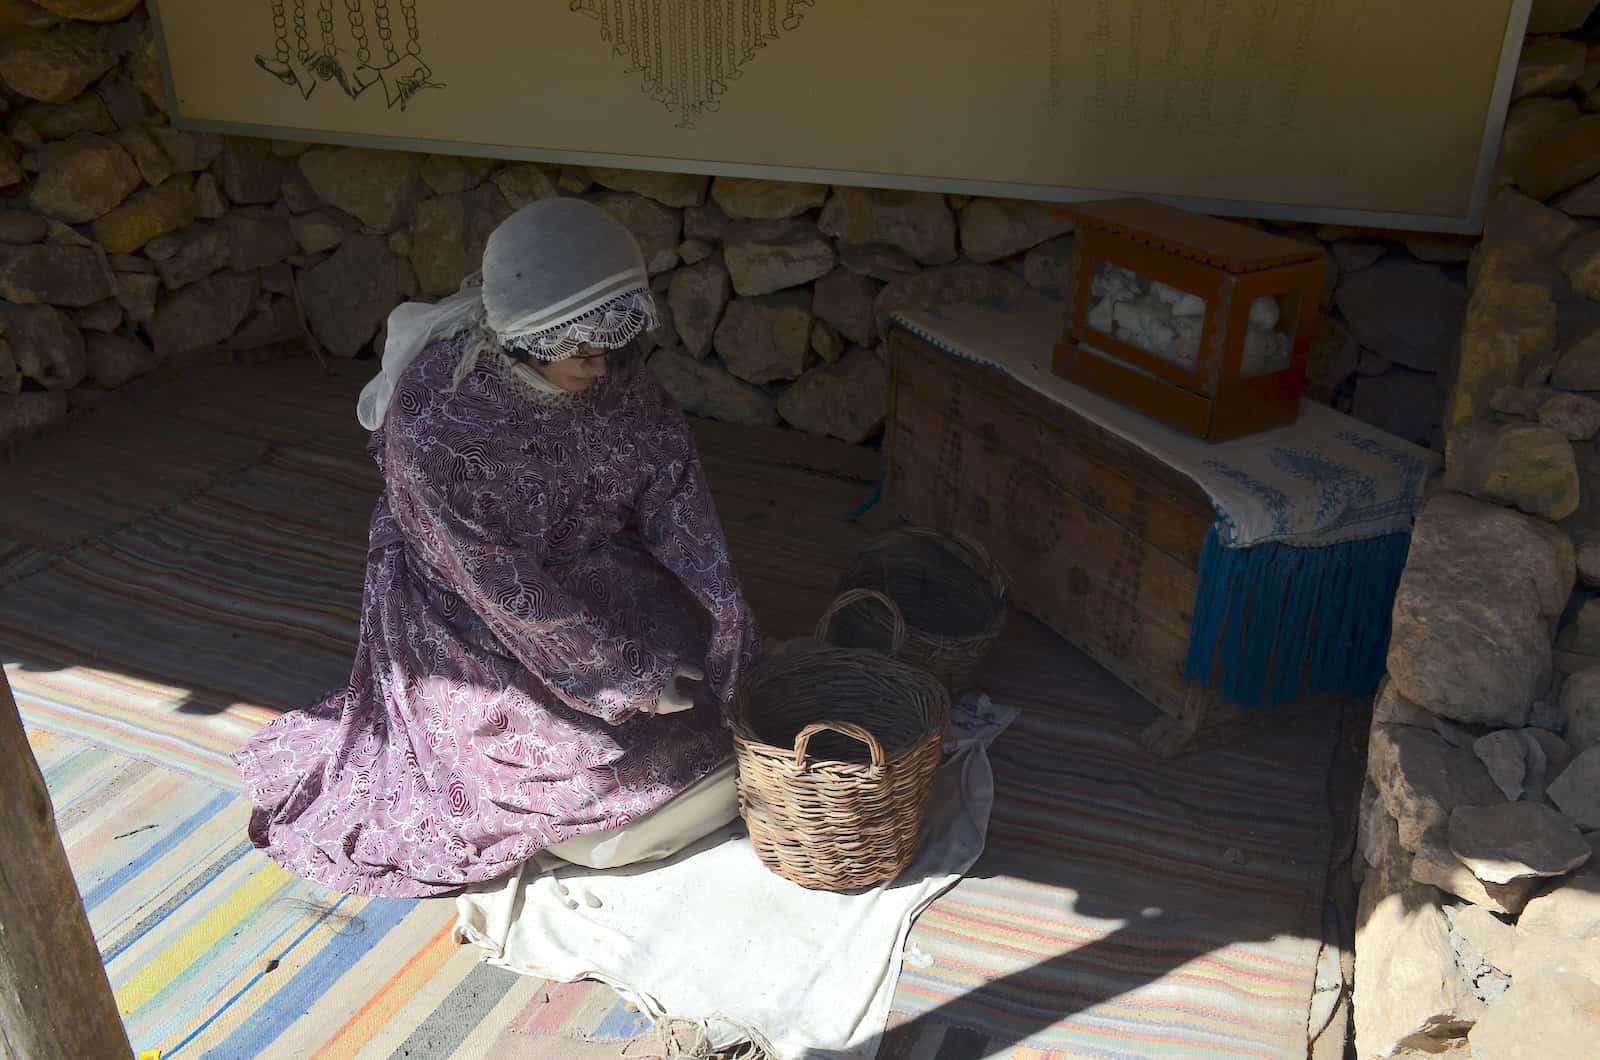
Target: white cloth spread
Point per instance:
(711, 937)
(1320, 481)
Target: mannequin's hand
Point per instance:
(679, 695)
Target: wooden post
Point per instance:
(55, 1000)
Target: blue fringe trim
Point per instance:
(1275, 619)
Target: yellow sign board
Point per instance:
(1362, 111)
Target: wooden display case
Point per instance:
(1205, 325)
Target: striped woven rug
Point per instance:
(212, 950)
(1126, 906)
(139, 661)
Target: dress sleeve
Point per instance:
(590, 666)
(679, 525)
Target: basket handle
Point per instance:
(984, 561)
(802, 743)
(897, 640)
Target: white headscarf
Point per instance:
(557, 274)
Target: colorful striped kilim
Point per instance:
(212, 950)
(1126, 906)
(244, 599)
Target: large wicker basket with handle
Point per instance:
(836, 750)
(951, 593)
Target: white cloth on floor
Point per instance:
(711, 937)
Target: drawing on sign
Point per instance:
(1163, 67)
(686, 51)
(400, 68)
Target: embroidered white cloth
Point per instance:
(712, 938)
(1320, 481)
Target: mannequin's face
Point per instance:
(578, 373)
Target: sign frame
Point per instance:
(1470, 224)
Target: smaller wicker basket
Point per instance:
(836, 750)
(952, 594)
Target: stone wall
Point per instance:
(1479, 918)
(127, 246)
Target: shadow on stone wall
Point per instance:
(1479, 927)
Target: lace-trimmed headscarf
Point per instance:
(558, 274)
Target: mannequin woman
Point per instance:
(551, 625)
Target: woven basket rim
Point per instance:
(910, 676)
(964, 550)
(785, 755)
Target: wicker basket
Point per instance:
(952, 594)
(836, 750)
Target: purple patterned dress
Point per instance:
(537, 568)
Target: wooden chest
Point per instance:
(1102, 543)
